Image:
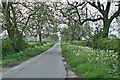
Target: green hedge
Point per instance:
(103, 44)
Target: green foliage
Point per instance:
(44, 42)
(27, 53)
(91, 63)
(19, 45)
(7, 48)
(75, 31)
(103, 44)
(33, 44)
(10, 47)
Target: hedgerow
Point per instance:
(102, 44)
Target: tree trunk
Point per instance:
(9, 26)
(106, 26)
(72, 37)
(6, 13)
(40, 36)
(80, 37)
(10, 34)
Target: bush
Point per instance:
(20, 45)
(7, 47)
(33, 44)
(10, 47)
(44, 42)
(103, 44)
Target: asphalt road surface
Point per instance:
(49, 64)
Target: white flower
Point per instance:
(116, 53)
(77, 54)
(111, 50)
(113, 55)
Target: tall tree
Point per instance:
(105, 15)
(11, 23)
(76, 11)
(42, 20)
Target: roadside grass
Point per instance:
(91, 63)
(27, 53)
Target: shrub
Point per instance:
(103, 44)
(20, 45)
(7, 47)
(33, 44)
(44, 42)
(10, 47)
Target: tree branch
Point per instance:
(95, 6)
(115, 15)
(78, 15)
(24, 5)
(108, 7)
(93, 20)
(62, 13)
(28, 21)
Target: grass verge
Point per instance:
(27, 53)
(91, 63)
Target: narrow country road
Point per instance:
(49, 64)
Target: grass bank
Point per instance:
(27, 53)
(91, 63)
